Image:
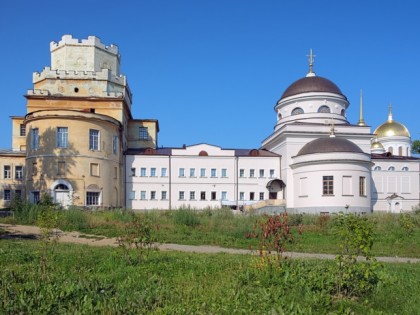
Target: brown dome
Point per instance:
(311, 84)
(329, 145)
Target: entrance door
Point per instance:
(272, 195)
(62, 195)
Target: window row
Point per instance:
(261, 173)
(201, 172)
(193, 195)
(321, 109)
(391, 168)
(62, 139)
(7, 172)
(7, 194)
(347, 182)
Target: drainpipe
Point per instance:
(170, 183)
(236, 183)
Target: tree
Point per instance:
(415, 147)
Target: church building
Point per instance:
(79, 143)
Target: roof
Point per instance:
(311, 84)
(168, 151)
(329, 145)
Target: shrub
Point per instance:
(356, 235)
(186, 217)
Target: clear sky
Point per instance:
(212, 70)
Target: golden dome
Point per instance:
(377, 145)
(391, 129)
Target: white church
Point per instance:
(315, 161)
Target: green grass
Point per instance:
(395, 235)
(88, 280)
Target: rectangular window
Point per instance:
(62, 137)
(347, 186)
(143, 172)
(182, 172)
(143, 195)
(61, 168)
(115, 144)
(192, 195)
(132, 195)
(153, 172)
(224, 172)
(92, 198)
(261, 173)
(251, 196)
(251, 173)
(7, 172)
(163, 172)
(34, 169)
(7, 195)
(18, 194)
(19, 172)
(22, 130)
(203, 195)
(213, 172)
(192, 172)
(133, 171)
(35, 139)
(272, 173)
(181, 195)
(153, 195)
(36, 196)
(94, 169)
(163, 195)
(241, 195)
(202, 172)
(362, 186)
(224, 195)
(328, 185)
(143, 133)
(241, 172)
(115, 172)
(213, 195)
(261, 196)
(94, 138)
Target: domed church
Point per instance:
(330, 164)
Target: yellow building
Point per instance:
(78, 124)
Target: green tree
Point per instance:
(415, 147)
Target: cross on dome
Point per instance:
(311, 56)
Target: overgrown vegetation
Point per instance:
(91, 280)
(395, 234)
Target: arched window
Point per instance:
(391, 150)
(407, 151)
(343, 112)
(391, 168)
(297, 111)
(324, 109)
(405, 169)
(279, 116)
(400, 151)
(377, 168)
(61, 187)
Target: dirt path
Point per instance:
(32, 232)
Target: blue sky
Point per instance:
(212, 70)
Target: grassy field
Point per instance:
(395, 234)
(88, 280)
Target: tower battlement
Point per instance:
(90, 41)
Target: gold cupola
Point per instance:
(391, 128)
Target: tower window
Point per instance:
(144, 133)
(324, 109)
(297, 111)
(22, 130)
(62, 137)
(35, 139)
(94, 140)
